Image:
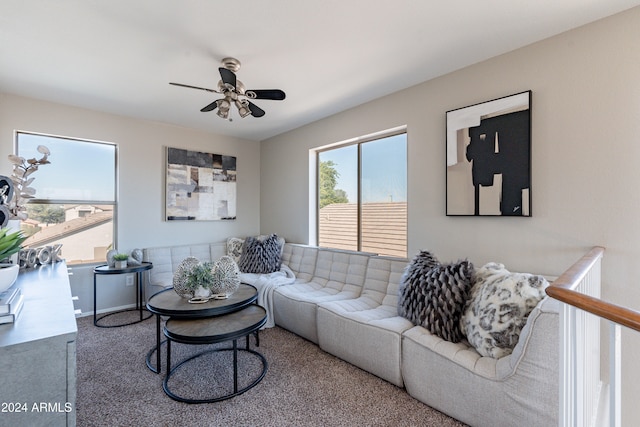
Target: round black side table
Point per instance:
(106, 270)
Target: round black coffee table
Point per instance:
(168, 303)
(211, 330)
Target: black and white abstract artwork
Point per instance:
(489, 158)
(200, 186)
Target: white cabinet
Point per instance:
(38, 353)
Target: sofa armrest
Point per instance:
(538, 342)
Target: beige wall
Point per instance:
(585, 148)
(141, 158)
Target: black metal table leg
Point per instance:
(235, 366)
(158, 368)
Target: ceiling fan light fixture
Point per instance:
(223, 108)
(223, 104)
(234, 92)
(243, 109)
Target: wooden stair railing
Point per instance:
(563, 289)
(570, 288)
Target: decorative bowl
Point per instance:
(8, 275)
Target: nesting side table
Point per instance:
(169, 304)
(106, 270)
(211, 330)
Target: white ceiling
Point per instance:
(118, 56)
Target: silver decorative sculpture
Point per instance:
(33, 257)
(181, 276)
(135, 258)
(200, 282)
(22, 169)
(110, 261)
(226, 277)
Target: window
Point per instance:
(75, 197)
(362, 196)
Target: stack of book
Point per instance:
(11, 302)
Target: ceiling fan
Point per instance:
(234, 93)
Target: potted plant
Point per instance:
(120, 260)
(200, 280)
(10, 244)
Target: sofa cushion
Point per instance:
(382, 280)
(370, 335)
(301, 259)
(496, 392)
(261, 255)
(498, 307)
(338, 275)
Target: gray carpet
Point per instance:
(304, 386)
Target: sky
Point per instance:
(90, 168)
(78, 170)
(384, 170)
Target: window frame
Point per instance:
(359, 142)
(113, 203)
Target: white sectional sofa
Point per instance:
(520, 389)
(346, 302)
(366, 331)
(337, 275)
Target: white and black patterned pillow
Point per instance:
(498, 307)
(261, 256)
(234, 248)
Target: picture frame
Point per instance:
(488, 165)
(200, 186)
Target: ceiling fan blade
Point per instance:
(210, 107)
(275, 94)
(194, 87)
(228, 76)
(255, 110)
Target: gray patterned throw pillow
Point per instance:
(498, 308)
(446, 295)
(411, 303)
(434, 295)
(261, 256)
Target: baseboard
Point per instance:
(108, 310)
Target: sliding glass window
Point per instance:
(362, 196)
(75, 197)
